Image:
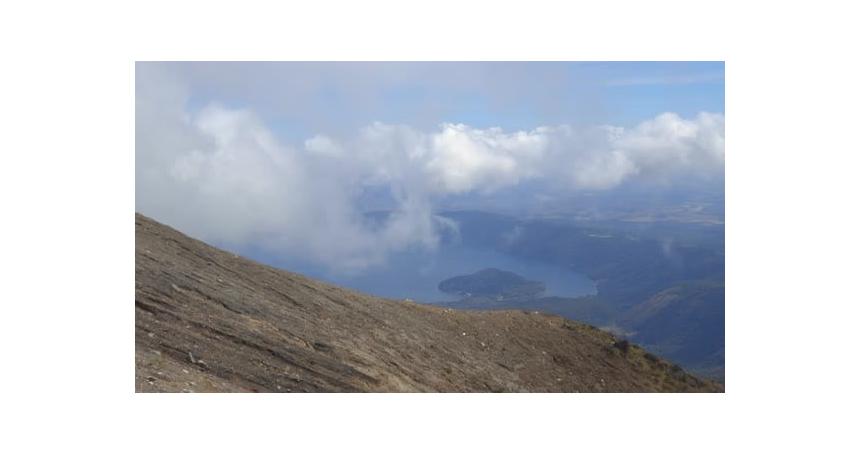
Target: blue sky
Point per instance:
(618, 93)
(301, 99)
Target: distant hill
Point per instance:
(492, 283)
(685, 322)
(210, 321)
(660, 283)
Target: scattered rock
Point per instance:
(319, 346)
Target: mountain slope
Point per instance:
(686, 323)
(673, 272)
(208, 320)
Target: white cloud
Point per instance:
(464, 159)
(222, 175)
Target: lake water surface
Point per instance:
(416, 274)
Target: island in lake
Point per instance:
(492, 283)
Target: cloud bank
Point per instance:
(221, 174)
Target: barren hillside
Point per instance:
(210, 321)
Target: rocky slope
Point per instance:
(210, 321)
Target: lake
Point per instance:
(416, 274)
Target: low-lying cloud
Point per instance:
(221, 174)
